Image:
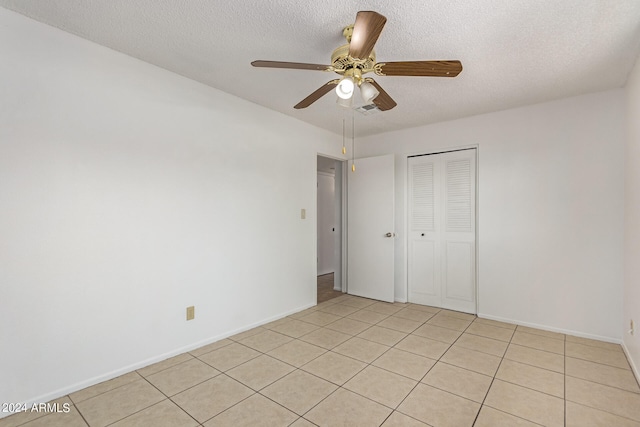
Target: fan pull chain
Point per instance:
(344, 149)
(353, 144)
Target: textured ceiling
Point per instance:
(514, 52)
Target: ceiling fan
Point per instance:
(357, 58)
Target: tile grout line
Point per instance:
(429, 370)
(578, 403)
(341, 317)
(537, 367)
(520, 385)
(235, 404)
(604, 385)
(226, 375)
(113, 389)
(169, 397)
(295, 369)
(367, 364)
(81, 416)
(493, 378)
(393, 346)
(245, 385)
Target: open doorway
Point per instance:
(330, 242)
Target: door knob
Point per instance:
(390, 235)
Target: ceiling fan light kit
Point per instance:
(357, 58)
(345, 102)
(345, 88)
(368, 91)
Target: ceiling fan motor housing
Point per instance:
(342, 62)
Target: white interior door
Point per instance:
(326, 223)
(370, 223)
(442, 234)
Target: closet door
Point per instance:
(442, 220)
(458, 231)
(424, 272)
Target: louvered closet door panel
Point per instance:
(422, 197)
(458, 195)
(424, 228)
(458, 236)
(441, 221)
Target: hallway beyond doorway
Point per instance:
(325, 288)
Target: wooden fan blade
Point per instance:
(419, 68)
(366, 31)
(319, 93)
(293, 65)
(383, 101)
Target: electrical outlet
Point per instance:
(303, 213)
(191, 313)
(631, 327)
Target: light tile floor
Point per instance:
(352, 361)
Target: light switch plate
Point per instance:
(303, 213)
(191, 313)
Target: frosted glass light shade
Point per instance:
(345, 88)
(368, 92)
(345, 102)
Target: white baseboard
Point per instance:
(552, 329)
(47, 397)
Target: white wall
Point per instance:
(632, 221)
(551, 191)
(128, 193)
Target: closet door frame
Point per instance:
(407, 218)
